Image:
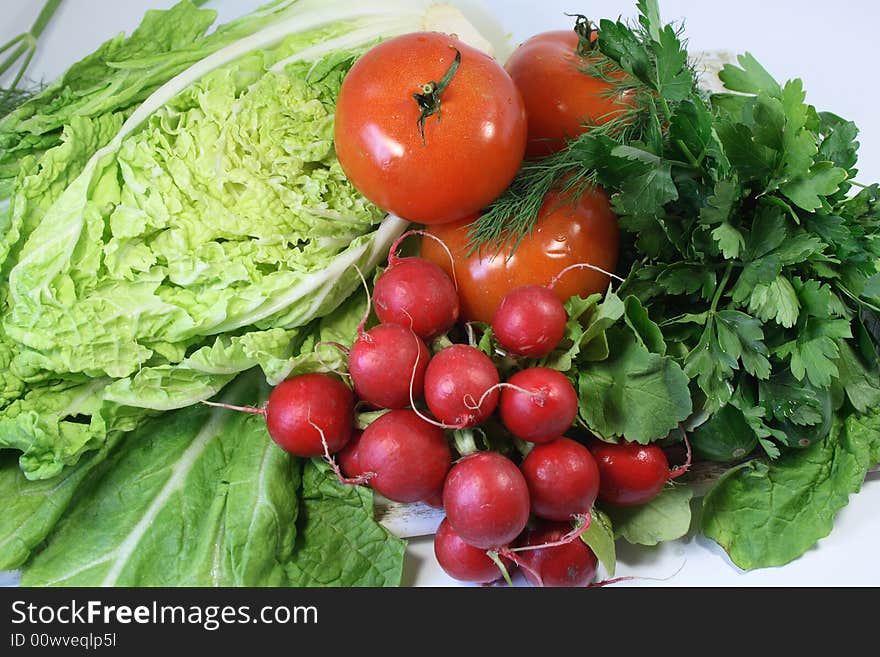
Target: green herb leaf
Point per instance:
(749, 77)
(824, 179)
(646, 331)
(777, 301)
(600, 537)
(814, 352)
(665, 518)
(730, 240)
(633, 393)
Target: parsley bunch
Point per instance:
(747, 242)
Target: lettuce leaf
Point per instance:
(199, 497)
(31, 508)
(196, 497)
(119, 75)
(220, 214)
(770, 514)
(338, 542)
(163, 252)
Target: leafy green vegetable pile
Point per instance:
(173, 216)
(750, 305)
(174, 225)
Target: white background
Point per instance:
(833, 47)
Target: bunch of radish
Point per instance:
(527, 507)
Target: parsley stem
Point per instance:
(687, 153)
(721, 287)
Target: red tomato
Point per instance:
(559, 97)
(565, 234)
(472, 147)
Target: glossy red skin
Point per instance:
(563, 479)
(564, 234)
(349, 457)
(569, 565)
(486, 500)
(559, 98)
(543, 417)
(409, 456)
(435, 501)
(468, 157)
(629, 473)
(297, 403)
(416, 293)
(462, 561)
(381, 364)
(457, 375)
(529, 321)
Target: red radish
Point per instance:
(416, 293)
(350, 458)
(385, 362)
(538, 404)
(486, 500)
(530, 321)
(303, 408)
(563, 479)
(458, 386)
(465, 562)
(436, 500)
(630, 473)
(569, 564)
(410, 457)
(462, 561)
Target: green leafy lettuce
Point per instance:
(769, 514)
(200, 497)
(153, 251)
(338, 543)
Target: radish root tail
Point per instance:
(240, 409)
(582, 524)
(582, 265)
(631, 578)
(360, 480)
(680, 470)
(393, 259)
(360, 328)
(473, 405)
(412, 401)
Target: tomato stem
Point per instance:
(587, 33)
(429, 97)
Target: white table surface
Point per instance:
(834, 48)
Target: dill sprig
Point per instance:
(23, 47)
(642, 64)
